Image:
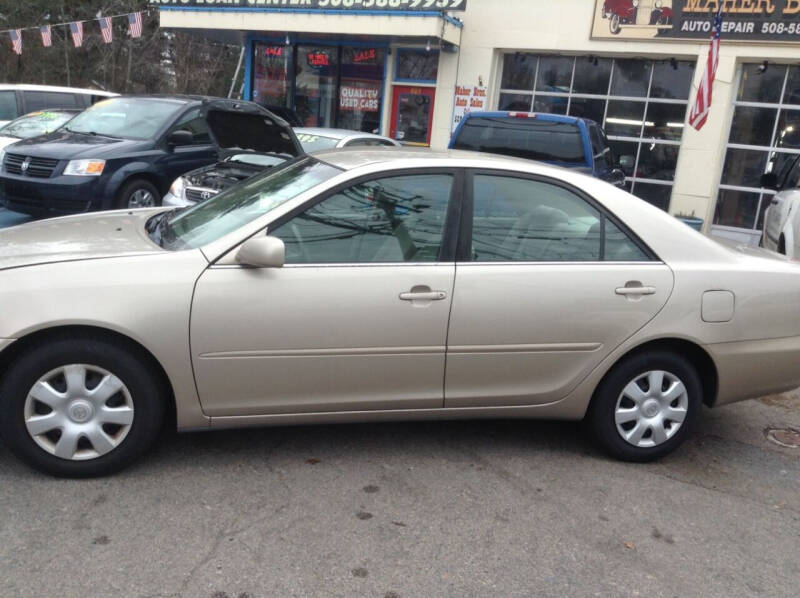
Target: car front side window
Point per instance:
(386, 220)
(526, 220)
(194, 122)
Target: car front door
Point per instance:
(356, 319)
(547, 285)
(179, 159)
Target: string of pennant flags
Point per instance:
(76, 29)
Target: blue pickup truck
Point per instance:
(561, 140)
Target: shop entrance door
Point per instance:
(412, 114)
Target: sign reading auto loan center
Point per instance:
(356, 5)
(744, 20)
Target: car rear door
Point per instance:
(547, 285)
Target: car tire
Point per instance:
(646, 424)
(138, 193)
(98, 396)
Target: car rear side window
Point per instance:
(531, 138)
(42, 100)
(524, 220)
(8, 105)
(387, 220)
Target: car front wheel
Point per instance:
(646, 406)
(138, 193)
(80, 407)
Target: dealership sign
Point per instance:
(744, 20)
(355, 5)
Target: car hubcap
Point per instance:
(651, 409)
(78, 412)
(141, 198)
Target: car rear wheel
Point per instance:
(646, 406)
(138, 193)
(80, 407)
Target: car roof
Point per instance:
(349, 159)
(28, 87)
(335, 133)
(546, 116)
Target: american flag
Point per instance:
(16, 40)
(47, 35)
(135, 22)
(702, 105)
(106, 29)
(77, 33)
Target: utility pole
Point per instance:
(66, 44)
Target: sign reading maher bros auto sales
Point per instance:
(745, 20)
(391, 5)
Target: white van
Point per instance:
(18, 99)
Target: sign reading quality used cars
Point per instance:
(388, 5)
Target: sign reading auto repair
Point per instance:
(744, 20)
(355, 5)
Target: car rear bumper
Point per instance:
(52, 196)
(752, 369)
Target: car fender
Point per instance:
(130, 170)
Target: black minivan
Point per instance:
(125, 152)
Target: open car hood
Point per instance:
(244, 126)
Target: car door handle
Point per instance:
(635, 291)
(423, 296)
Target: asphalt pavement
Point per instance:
(11, 218)
(461, 509)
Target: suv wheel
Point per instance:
(138, 193)
(80, 407)
(646, 406)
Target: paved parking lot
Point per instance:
(11, 218)
(505, 508)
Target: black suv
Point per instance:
(125, 152)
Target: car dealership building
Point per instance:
(410, 68)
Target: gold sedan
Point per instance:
(358, 286)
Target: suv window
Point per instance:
(8, 105)
(193, 122)
(531, 138)
(42, 100)
(522, 220)
(394, 219)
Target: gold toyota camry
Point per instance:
(358, 286)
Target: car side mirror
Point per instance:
(769, 181)
(180, 137)
(617, 178)
(262, 252)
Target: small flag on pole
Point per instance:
(702, 105)
(135, 22)
(16, 40)
(47, 35)
(106, 29)
(76, 29)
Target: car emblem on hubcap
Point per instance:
(25, 164)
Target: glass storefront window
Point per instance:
(640, 103)
(271, 83)
(419, 66)
(361, 89)
(315, 85)
(764, 135)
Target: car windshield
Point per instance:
(531, 138)
(208, 221)
(36, 123)
(125, 118)
(315, 143)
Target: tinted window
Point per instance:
(521, 220)
(41, 100)
(196, 125)
(397, 219)
(525, 138)
(8, 105)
